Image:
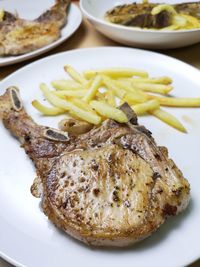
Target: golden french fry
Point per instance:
(169, 119)
(53, 99)
(154, 88)
(83, 105)
(133, 98)
(109, 83)
(80, 114)
(66, 85)
(75, 75)
(137, 95)
(108, 111)
(143, 108)
(116, 72)
(160, 80)
(91, 92)
(70, 93)
(179, 102)
(66, 105)
(111, 98)
(49, 111)
(124, 92)
(130, 85)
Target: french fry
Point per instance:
(70, 93)
(90, 94)
(66, 105)
(136, 95)
(111, 98)
(53, 99)
(124, 92)
(130, 85)
(81, 104)
(143, 108)
(169, 119)
(116, 72)
(75, 75)
(109, 83)
(154, 88)
(133, 98)
(179, 102)
(49, 111)
(160, 80)
(66, 85)
(108, 111)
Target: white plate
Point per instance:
(27, 238)
(95, 10)
(31, 10)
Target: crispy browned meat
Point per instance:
(112, 186)
(19, 36)
(139, 14)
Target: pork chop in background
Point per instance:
(19, 36)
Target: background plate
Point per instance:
(27, 238)
(132, 36)
(30, 10)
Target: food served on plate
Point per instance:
(111, 186)
(156, 16)
(94, 95)
(19, 36)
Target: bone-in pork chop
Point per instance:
(112, 186)
(20, 36)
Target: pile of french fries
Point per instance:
(95, 95)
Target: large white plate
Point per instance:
(95, 11)
(27, 238)
(31, 10)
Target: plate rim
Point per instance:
(74, 51)
(47, 48)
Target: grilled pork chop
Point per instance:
(112, 186)
(19, 36)
(139, 14)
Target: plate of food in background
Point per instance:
(102, 177)
(146, 24)
(28, 30)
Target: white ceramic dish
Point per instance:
(28, 239)
(95, 10)
(31, 10)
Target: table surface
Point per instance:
(87, 36)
